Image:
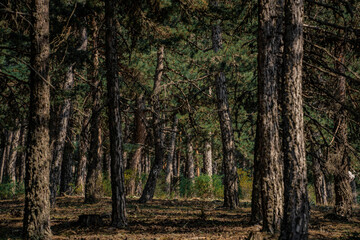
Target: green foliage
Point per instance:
(245, 183)
(6, 190)
(203, 186)
(106, 186)
(185, 187)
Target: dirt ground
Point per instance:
(165, 219)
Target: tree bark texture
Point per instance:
(93, 177)
(149, 189)
(190, 165)
(231, 184)
(268, 145)
(118, 215)
(256, 200)
(319, 178)
(296, 206)
(171, 155)
(68, 163)
(140, 137)
(11, 161)
(20, 161)
(208, 160)
(343, 193)
(36, 223)
(82, 161)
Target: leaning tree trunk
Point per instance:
(208, 160)
(296, 205)
(268, 145)
(140, 137)
(149, 189)
(118, 215)
(36, 224)
(319, 178)
(171, 156)
(63, 122)
(93, 177)
(231, 192)
(343, 193)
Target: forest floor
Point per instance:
(165, 219)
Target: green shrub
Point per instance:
(203, 186)
(185, 187)
(106, 186)
(245, 184)
(218, 186)
(7, 190)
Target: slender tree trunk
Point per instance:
(319, 178)
(4, 147)
(268, 145)
(93, 177)
(190, 167)
(208, 160)
(343, 193)
(20, 161)
(81, 168)
(171, 155)
(231, 192)
(36, 224)
(11, 163)
(256, 199)
(118, 216)
(296, 205)
(140, 137)
(149, 189)
(67, 165)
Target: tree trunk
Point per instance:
(231, 192)
(343, 193)
(208, 166)
(149, 189)
(93, 177)
(20, 161)
(171, 156)
(296, 205)
(319, 178)
(67, 165)
(118, 215)
(36, 224)
(11, 162)
(190, 167)
(256, 200)
(82, 161)
(268, 145)
(140, 137)
(4, 152)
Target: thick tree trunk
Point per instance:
(171, 156)
(296, 205)
(343, 193)
(149, 189)
(118, 215)
(268, 145)
(93, 177)
(319, 178)
(37, 193)
(208, 160)
(140, 137)
(231, 192)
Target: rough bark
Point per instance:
(231, 192)
(82, 161)
(140, 137)
(190, 166)
(343, 193)
(268, 145)
(208, 166)
(256, 208)
(171, 156)
(319, 178)
(296, 206)
(63, 122)
(149, 189)
(11, 161)
(36, 224)
(93, 177)
(118, 215)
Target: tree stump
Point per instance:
(90, 220)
